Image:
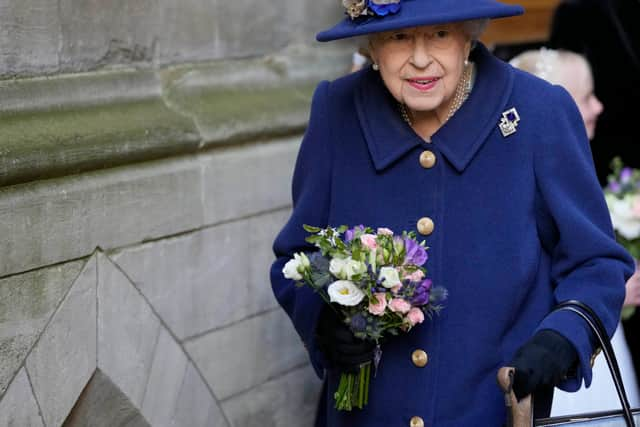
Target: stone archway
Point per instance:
(107, 357)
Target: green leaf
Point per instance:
(627, 312)
(310, 228)
(321, 278)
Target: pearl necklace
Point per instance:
(462, 93)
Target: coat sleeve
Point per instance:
(311, 191)
(587, 264)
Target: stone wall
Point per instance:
(146, 152)
(62, 36)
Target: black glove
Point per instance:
(543, 361)
(341, 348)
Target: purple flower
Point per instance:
(358, 323)
(350, 233)
(384, 7)
(625, 175)
(420, 298)
(416, 254)
(421, 293)
(425, 284)
(614, 187)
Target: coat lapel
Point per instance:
(462, 136)
(389, 138)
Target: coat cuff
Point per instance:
(577, 332)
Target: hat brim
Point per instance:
(415, 13)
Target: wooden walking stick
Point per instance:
(519, 414)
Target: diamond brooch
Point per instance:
(509, 122)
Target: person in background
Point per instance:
(572, 71)
(569, 70)
(489, 166)
(608, 34)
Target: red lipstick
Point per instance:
(423, 84)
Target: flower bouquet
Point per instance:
(622, 194)
(377, 284)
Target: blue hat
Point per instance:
(373, 16)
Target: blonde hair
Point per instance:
(548, 64)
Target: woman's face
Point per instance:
(421, 66)
(578, 81)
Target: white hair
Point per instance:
(475, 27)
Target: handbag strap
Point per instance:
(600, 333)
(520, 413)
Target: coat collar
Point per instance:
(389, 137)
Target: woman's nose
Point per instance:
(420, 58)
(597, 106)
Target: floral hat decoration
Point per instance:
(357, 8)
(372, 16)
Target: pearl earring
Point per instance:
(375, 66)
(466, 62)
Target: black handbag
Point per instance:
(520, 414)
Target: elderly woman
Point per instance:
(489, 165)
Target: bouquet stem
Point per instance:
(353, 389)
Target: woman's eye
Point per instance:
(399, 36)
(442, 34)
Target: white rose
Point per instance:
(345, 293)
(389, 277)
(346, 268)
(304, 261)
(622, 216)
(295, 266)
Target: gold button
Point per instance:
(420, 358)
(427, 159)
(416, 422)
(425, 226)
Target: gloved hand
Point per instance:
(542, 361)
(341, 348)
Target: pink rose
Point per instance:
(416, 276)
(369, 241)
(385, 231)
(415, 316)
(378, 308)
(398, 305)
(635, 207)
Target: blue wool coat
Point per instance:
(520, 224)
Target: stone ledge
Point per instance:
(235, 100)
(48, 222)
(70, 124)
